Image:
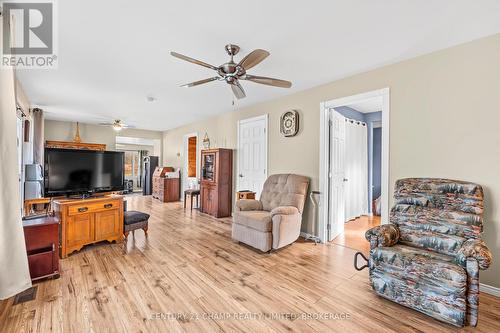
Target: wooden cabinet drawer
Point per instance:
(92, 207)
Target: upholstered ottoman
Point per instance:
(133, 220)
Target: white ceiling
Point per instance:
(114, 53)
(369, 105)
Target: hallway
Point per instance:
(354, 233)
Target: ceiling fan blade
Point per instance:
(106, 124)
(268, 81)
(194, 61)
(196, 83)
(238, 90)
(253, 58)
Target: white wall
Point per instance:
(65, 131)
(444, 123)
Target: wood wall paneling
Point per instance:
(192, 156)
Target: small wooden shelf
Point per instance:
(75, 145)
(245, 195)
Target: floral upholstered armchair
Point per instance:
(428, 258)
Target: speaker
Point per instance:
(33, 189)
(149, 164)
(33, 172)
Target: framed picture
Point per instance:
(206, 142)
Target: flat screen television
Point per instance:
(74, 172)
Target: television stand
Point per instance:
(88, 221)
(79, 196)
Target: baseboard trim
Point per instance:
(487, 289)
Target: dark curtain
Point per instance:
(38, 138)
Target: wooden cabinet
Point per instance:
(216, 181)
(209, 199)
(87, 221)
(165, 189)
(42, 244)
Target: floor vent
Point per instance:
(25, 296)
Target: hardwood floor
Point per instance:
(190, 266)
(353, 236)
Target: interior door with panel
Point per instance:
(336, 206)
(252, 154)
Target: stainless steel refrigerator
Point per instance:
(149, 164)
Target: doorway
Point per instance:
(354, 167)
(191, 153)
(252, 154)
(132, 167)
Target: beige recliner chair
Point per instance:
(273, 221)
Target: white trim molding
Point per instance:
(324, 145)
(487, 289)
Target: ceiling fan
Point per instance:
(117, 125)
(232, 72)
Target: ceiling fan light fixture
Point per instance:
(232, 72)
(116, 125)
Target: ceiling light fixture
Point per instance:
(232, 72)
(117, 125)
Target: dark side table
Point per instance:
(41, 235)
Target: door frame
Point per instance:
(135, 178)
(264, 117)
(184, 176)
(324, 177)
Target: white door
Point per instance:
(336, 216)
(252, 154)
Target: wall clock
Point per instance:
(289, 123)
